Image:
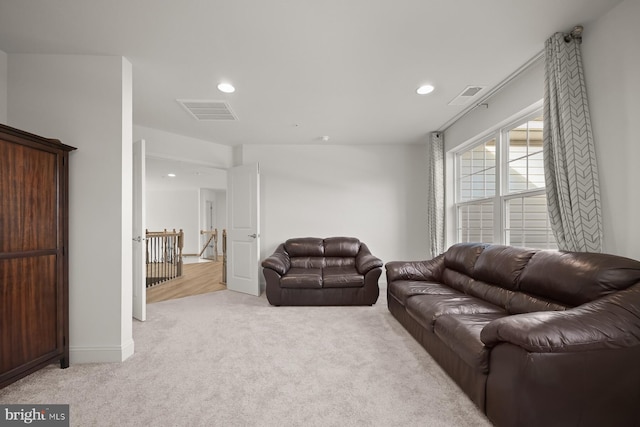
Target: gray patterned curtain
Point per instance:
(435, 194)
(571, 174)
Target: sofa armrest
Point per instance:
(366, 261)
(278, 261)
(607, 323)
(430, 270)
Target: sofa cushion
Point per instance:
(341, 277)
(574, 278)
(490, 293)
(341, 247)
(462, 257)
(502, 265)
(456, 280)
(305, 247)
(403, 289)
(425, 309)
(307, 262)
(302, 278)
(461, 333)
(523, 303)
(339, 261)
(513, 302)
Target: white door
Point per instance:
(139, 232)
(243, 237)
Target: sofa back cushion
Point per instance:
(493, 273)
(502, 265)
(305, 247)
(341, 247)
(574, 278)
(313, 252)
(462, 257)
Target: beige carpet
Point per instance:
(228, 359)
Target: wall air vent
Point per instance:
(207, 110)
(468, 94)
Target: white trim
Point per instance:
(101, 354)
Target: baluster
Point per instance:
(224, 256)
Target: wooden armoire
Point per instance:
(34, 286)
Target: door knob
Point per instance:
(254, 235)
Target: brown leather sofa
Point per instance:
(534, 338)
(314, 271)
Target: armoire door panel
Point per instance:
(28, 210)
(28, 319)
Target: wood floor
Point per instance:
(197, 278)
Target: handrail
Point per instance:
(213, 235)
(163, 255)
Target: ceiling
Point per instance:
(303, 69)
(184, 175)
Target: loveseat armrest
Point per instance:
(279, 261)
(366, 261)
(607, 323)
(430, 270)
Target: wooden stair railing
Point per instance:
(213, 235)
(163, 255)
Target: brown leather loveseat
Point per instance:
(314, 271)
(534, 338)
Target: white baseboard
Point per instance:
(113, 354)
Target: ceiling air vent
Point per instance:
(469, 93)
(208, 110)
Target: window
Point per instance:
(500, 195)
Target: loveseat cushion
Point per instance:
(341, 277)
(425, 309)
(305, 247)
(461, 333)
(302, 278)
(403, 289)
(341, 247)
(307, 262)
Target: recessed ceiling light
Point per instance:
(226, 88)
(171, 175)
(423, 90)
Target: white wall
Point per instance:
(375, 193)
(85, 101)
(3, 87)
(611, 59)
(179, 209)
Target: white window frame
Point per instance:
(502, 195)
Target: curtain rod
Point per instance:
(493, 91)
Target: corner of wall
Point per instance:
(237, 156)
